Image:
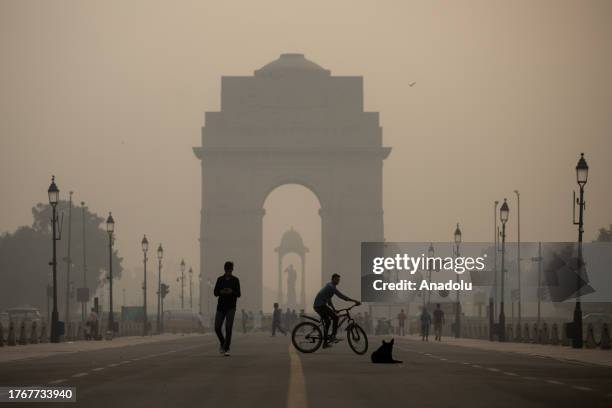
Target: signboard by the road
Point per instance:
(83, 295)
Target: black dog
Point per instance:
(384, 354)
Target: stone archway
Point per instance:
(290, 123)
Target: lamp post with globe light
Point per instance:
(110, 229)
(504, 212)
(582, 173)
(457, 237)
(145, 249)
(53, 192)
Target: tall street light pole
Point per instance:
(458, 305)
(53, 200)
(582, 172)
(182, 284)
(68, 260)
(84, 302)
(504, 211)
(160, 255)
(110, 228)
(145, 249)
(493, 294)
(518, 255)
(190, 289)
(430, 253)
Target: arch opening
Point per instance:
(291, 245)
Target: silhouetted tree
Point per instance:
(25, 255)
(605, 235)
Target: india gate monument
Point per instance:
(292, 122)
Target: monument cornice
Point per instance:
(202, 152)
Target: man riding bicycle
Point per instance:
(325, 309)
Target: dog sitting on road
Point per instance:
(384, 354)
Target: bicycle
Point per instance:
(307, 336)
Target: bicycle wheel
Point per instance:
(357, 339)
(307, 337)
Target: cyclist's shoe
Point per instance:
(334, 339)
(326, 345)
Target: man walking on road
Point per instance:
(276, 321)
(438, 321)
(425, 323)
(227, 289)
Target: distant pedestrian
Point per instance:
(438, 321)
(245, 320)
(276, 320)
(401, 319)
(227, 289)
(425, 323)
(92, 325)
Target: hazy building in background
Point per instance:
(290, 123)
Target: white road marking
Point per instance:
(495, 370)
(476, 366)
(511, 374)
(79, 375)
(57, 381)
(98, 369)
(112, 365)
(554, 382)
(581, 388)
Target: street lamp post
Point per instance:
(582, 172)
(110, 228)
(160, 255)
(182, 284)
(68, 260)
(430, 253)
(190, 289)
(145, 249)
(53, 200)
(518, 255)
(84, 302)
(458, 305)
(504, 211)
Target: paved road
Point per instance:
(267, 372)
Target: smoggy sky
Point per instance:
(110, 97)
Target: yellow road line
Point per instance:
(296, 397)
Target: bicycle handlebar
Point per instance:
(346, 309)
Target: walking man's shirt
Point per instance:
(227, 289)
